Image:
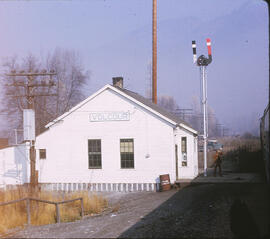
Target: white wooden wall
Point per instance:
(14, 165)
(66, 144)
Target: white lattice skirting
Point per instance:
(99, 187)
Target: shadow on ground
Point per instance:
(208, 210)
(223, 210)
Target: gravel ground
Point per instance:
(126, 209)
(195, 211)
(203, 211)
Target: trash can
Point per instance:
(165, 183)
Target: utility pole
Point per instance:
(29, 86)
(202, 62)
(154, 53)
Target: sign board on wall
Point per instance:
(109, 116)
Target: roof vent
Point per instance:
(118, 82)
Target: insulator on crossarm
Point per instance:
(194, 52)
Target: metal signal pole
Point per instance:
(154, 53)
(29, 86)
(202, 62)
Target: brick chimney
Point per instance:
(118, 81)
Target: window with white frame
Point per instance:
(94, 153)
(127, 153)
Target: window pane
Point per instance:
(94, 153)
(184, 144)
(127, 153)
(42, 154)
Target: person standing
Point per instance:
(217, 163)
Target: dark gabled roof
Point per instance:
(153, 106)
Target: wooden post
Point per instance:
(33, 179)
(82, 209)
(57, 213)
(154, 52)
(28, 211)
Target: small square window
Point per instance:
(42, 154)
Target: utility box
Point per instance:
(29, 124)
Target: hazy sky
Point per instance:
(114, 39)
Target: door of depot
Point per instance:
(176, 161)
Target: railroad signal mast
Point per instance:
(202, 62)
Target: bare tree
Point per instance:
(212, 123)
(69, 82)
(168, 103)
(196, 118)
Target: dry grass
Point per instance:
(231, 143)
(231, 149)
(245, 153)
(14, 215)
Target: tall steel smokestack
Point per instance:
(154, 53)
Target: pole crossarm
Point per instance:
(31, 74)
(33, 95)
(32, 85)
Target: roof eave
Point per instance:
(181, 125)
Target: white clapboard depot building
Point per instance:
(115, 140)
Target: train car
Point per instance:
(264, 135)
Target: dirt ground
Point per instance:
(195, 211)
(203, 210)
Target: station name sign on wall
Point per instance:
(109, 116)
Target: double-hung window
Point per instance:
(127, 153)
(94, 153)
